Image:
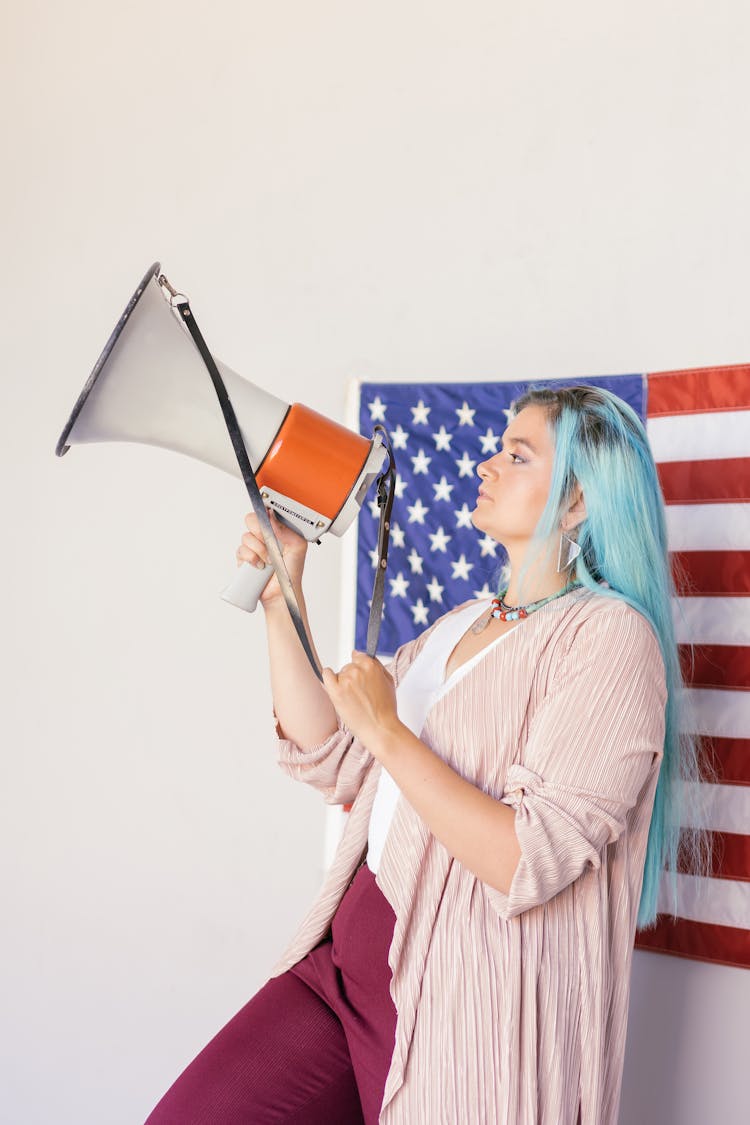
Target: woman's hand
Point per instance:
(364, 696)
(252, 550)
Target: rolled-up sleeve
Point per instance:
(337, 766)
(591, 747)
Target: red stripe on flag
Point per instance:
(699, 390)
(727, 760)
(730, 857)
(711, 573)
(716, 666)
(701, 941)
(705, 482)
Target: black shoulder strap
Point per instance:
(386, 493)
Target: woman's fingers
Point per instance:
(288, 539)
(244, 555)
(252, 550)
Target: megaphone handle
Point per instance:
(246, 587)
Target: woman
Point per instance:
(468, 957)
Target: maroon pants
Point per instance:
(314, 1046)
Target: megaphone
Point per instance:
(150, 386)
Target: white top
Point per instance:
(420, 689)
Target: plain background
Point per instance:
(346, 191)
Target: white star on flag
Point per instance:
(461, 568)
(488, 546)
(419, 413)
(414, 560)
(485, 592)
(374, 555)
(399, 486)
(489, 442)
(417, 512)
(420, 611)
(399, 586)
(374, 509)
(399, 437)
(397, 536)
(463, 516)
(465, 466)
(435, 590)
(421, 462)
(439, 540)
(443, 489)
(465, 415)
(442, 440)
(377, 410)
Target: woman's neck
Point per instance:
(538, 581)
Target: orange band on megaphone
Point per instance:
(314, 461)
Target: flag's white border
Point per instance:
(335, 815)
(349, 545)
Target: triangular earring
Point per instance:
(569, 552)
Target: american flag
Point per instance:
(698, 423)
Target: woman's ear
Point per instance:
(576, 512)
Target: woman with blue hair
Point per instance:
(514, 780)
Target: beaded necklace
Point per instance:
(504, 612)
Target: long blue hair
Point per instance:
(601, 444)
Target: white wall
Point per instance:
(392, 190)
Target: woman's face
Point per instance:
(515, 483)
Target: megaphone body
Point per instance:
(150, 386)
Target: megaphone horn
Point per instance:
(150, 386)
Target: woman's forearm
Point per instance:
(303, 709)
(475, 828)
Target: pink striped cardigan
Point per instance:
(512, 1008)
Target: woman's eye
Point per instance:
(515, 458)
